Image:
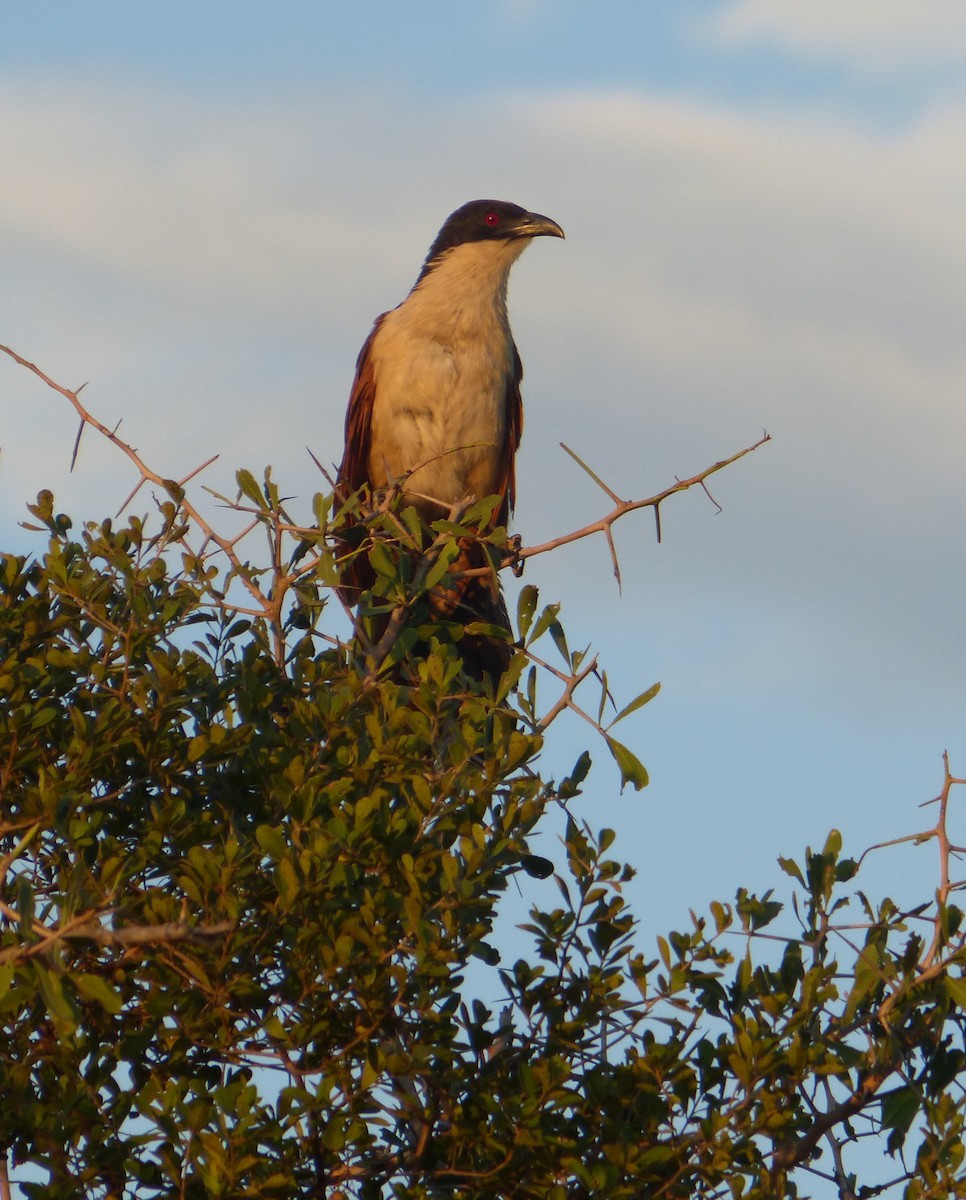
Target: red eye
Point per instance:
(492, 219)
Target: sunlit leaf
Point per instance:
(638, 702)
(631, 768)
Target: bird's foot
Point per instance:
(512, 559)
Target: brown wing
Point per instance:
(354, 469)
(514, 431)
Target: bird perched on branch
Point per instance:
(435, 406)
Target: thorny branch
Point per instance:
(623, 507)
(947, 849)
(88, 928)
(268, 602)
(173, 488)
(931, 965)
(571, 682)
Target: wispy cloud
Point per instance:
(874, 35)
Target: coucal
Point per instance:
(435, 406)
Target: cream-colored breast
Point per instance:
(442, 361)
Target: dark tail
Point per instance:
(471, 600)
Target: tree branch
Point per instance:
(790, 1154)
(131, 935)
(622, 507)
(174, 488)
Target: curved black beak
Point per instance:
(537, 225)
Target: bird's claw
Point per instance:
(513, 560)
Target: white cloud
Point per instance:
(830, 248)
(170, 191)
(872, 34)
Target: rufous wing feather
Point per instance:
(354, 469)
(514, 431)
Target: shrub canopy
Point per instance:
(251, 943)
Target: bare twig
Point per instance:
(940, 833)
(174, 488)
(594, 476)
(142, 935)
(790, 1154)
(88, 929)
(945, 850)
(622, 507)
(571, 682)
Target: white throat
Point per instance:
(468, 282)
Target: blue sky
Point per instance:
(440, 50)
(205, 205)
(437, 49)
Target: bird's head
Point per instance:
(490, 221)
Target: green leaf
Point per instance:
(631, 768)
(791, 867)
(560, 640)
(382, 562)
(271, 841)
(489, 954)
(197, 747)
(287, 883)
(868, 977)
(93, 987)
(544, 621)
(43, 717)
(333, 1136)
(570, 786)
(526, 606)
(637, 702)
(448, 554)
(955, 988)
(25, 905)
(249, 488)
(52, 991)
(657, 1154)
(899, 1110)
(721, 915)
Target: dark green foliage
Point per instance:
(250, 941)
